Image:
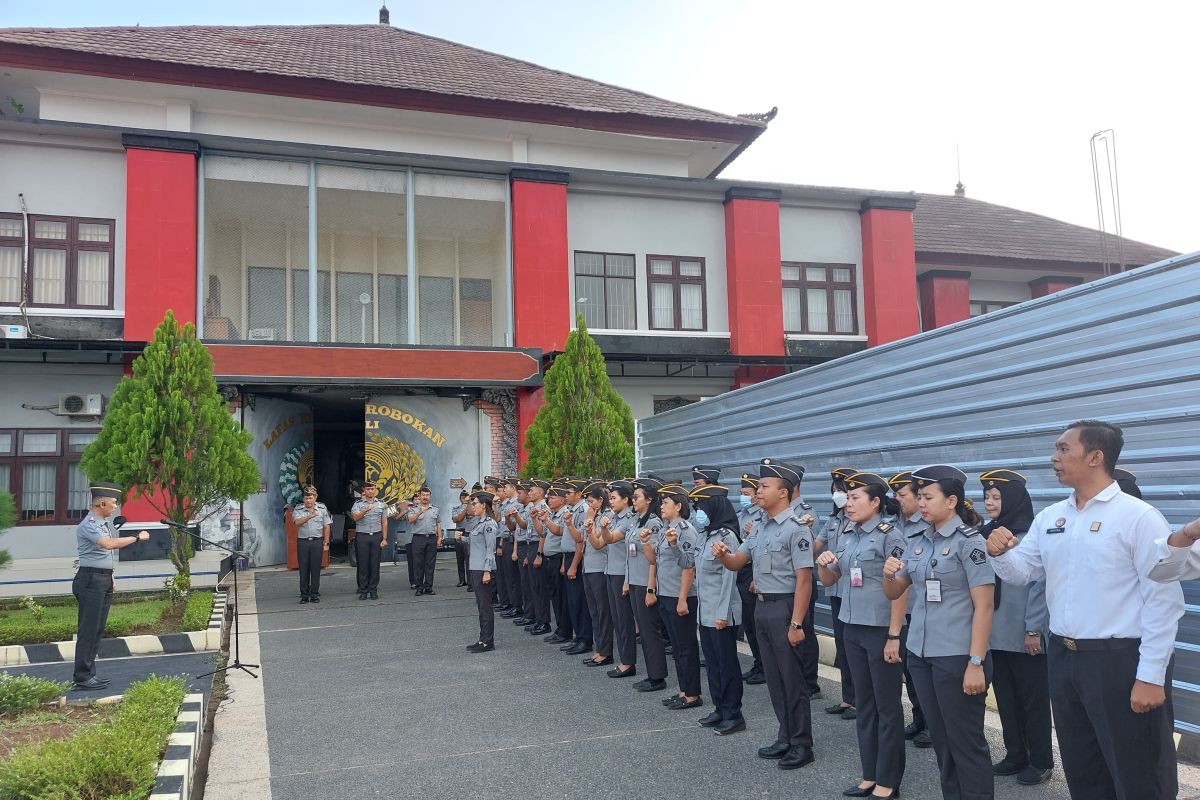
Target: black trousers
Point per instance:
(310, 553)
(654, 647)
(424, 546)
(539, 579)
(557, 591)
(918, 714)
(880, 721)
(1022, 686)
(624, 634)
(529, 599)
(956, 725)
(744, 579)
(483, 602)
(367, 545)
(507, 583)
(1107, 750)
(839, 654)
(93, 589)
(408, 560)
(724, 670)
(462, 554)
(784, 670)
(810, 648)
(577, 603)
(685, 649)
(595, 587)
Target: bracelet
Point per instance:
(891, 638)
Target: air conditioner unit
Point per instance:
(14, 332)
(262, 334)
(81, 405)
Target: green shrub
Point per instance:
(58, 620)
(197, 611)
(25, 692)
(116, 758)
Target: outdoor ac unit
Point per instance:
(262, 334)
(14, 332)
(81, 405)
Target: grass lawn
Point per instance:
(56, 722)
(128, 616)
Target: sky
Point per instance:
(895, 96)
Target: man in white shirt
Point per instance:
(1112, 630)
(1178, 557)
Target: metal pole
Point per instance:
(312, 250)
(200, 249)
(508, 263)
(410, 237)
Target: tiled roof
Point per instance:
(376, 56)
(951, 225)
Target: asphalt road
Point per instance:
(124, 671)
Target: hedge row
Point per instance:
(59, 622)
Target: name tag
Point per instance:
(764, 562)
(856, 577)
(933, 591)
(633, 550)
(1055, 530)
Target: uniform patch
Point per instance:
(1095, 527)
(803, 545)
(978, 557)
(897, 551)
(1060, 522)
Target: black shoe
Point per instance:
(729, 726)
(923, 740)
(836, 708)
(604, 662)
(303, 600)
(577, 648)
(859, 791)
(511, 613)
(522, 621)
(756, 668)
(430, 591)
(617, 672)
(712, 720)
(460, 584)
(850, 713)
(815, 694)
(470, 588)
(92, 684)
(680, 703)
(1032, 776)
(555, 638)
(756, 678)
(912, 729)
(777, 750)
(481, 647)
(667, 701)
(419, 592)
(649, 685)
(412, 586)
(796, 757)
(1007, 767)
(314, 599)
(373, 596)
(539, 630)
(362, 595)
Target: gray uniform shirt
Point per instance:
(830, 537)
(716, 587)
(424, 524)
(593, 560)
(911, 527)
(526, 534)
(865, 547)
(372, 521)
(637, 568)
(670, 562)
(563, 543)
(470, 522)
(87, 538)
(551, 546)
(617, 552)
(315, 527)
(955, 555)
(481, 555)
(502, 531)
(777, 548)
(753, 514)
(1021, 608)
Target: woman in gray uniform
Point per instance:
(672, 556)
(1018, 643)
(482, 563)
(871, 625)
(643, 591)
(609, 535)
(947, 567)
(595, 582)
(720, 612)
(830, 538)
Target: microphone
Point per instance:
(119, 522)
(173, 524)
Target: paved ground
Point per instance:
(379, 699)
(124, 671)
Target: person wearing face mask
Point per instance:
(643, 583)
(908, 520)
(949, 570)
(672, 555)
(830, 538)
(871, 629)
(749, 515)
(1018, 642)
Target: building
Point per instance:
(384, 238)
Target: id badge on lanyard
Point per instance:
(856, 577)
(933, 591)
(632, 548)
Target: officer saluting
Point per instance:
(312, 540)
(93, 585)
(482, 562)
(780, 550)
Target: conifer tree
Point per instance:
(584, 426)
(168, 437)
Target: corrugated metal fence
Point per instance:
(989, 392)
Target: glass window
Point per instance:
(77, 441)
(841, 275)
(6, 443)
(676, 293)
(355, 307)
(818, 310)
(6, 477)
(300, 306)
(37, 491)
(267, 287)
(44, 476)
(92, 274)
(822, 302)
(475, 311)
(49, 276)
(662, 306)
(793, 315)
(94, 231)
(660, 267)
(70, 262)
(39, 442)
(814, 274)
(393, 309)
(78, 497)
(436, 302)
(50, 229)
(10, 274)
(604, 290)
(12, 227)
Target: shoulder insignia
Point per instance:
(805, 520)
(805, 506)
(969, 530)
(897, 551)
(885, 526)
(978, 557)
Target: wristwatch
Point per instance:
(796, 626)
(976, 661)
(1033, 633)
(650, 591)
(891, 638)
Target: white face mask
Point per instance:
(839, 499)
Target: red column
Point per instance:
(541, 276)
(889, 267)
(1051, 284)
(160, 232)
(753, 269)
(945, 297)
(744, 376)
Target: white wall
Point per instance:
(824, 235)
(1000, 291)
(59, 180)
(609, 223)
(640, 392)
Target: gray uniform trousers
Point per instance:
(880, 720)
(622, 619)
(784, 671)
(654, 648)
(595, 587)
(93, 588)
(956, 725)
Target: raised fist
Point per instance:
(891, 567)
(1001, 540)
(827, 559)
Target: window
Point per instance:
(41, 469)
(70, 262)
(676, 286)
(604, 289)
(981, 307)
(820, 299)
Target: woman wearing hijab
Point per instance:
(672, 556)
(1018, 642)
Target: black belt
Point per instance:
(1095, 644)
(96, 569)
(771, 597)
(424, 534)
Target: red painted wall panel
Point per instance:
(541, 265)
(945, 298)
(1049, 285)
(160, 239)
(754, 277)
(889, 275)
(528, 403)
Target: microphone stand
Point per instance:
(237, 661)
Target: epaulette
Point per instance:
(800, 520)
(885, 526)
(968, 530)
(805, 506)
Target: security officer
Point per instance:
(672, 556)
(574, 575)
(908, 520)
(1112, 628)
(781, 551)
(95, 541)
(643, 589)
(609, 534)
(830, 539)
(426, 532)
(482, 542)
(460, 518)
(312, 542)
(554, 539)
(871, 629)
(369, 515)
(749, 515)
(704, 475)
(952, 617)
(720, 613)
(526, 547)
(506, 509)
(595, 564)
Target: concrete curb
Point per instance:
(178, 765)
(122, 647)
